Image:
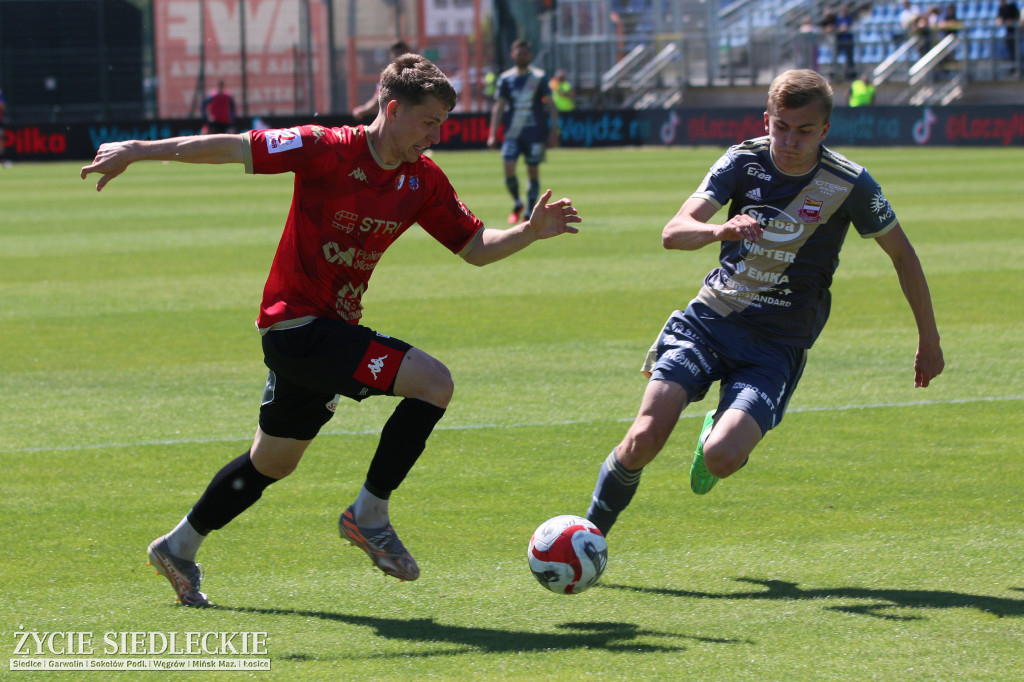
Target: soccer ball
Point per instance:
(567, 554)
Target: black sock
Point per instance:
(233, 489)
(402, 440)
(615, 487)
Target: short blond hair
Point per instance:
(797, 88)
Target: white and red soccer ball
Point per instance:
(567, 554)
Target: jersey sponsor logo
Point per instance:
(829, 188)
(282, 140)
(344, 221)
(358, 174)
(757, 170)
(810, 212)
(754, 194)
(778, 225)
(348, 302)
(379, 366)
(357, 259)
(880, 206)
(332, 404)
(334, 254)
(378, 226)
(401, 181)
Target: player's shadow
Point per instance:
(884, 600)
(580, 635)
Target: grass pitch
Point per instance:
(876, 534)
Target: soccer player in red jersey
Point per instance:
(357, 189)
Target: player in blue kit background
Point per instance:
(526, 108)
(791, 202)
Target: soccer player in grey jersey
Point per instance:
(791, 201)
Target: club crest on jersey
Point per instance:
(414, 182)
(811, 210)
(282, 140)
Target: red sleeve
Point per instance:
(447, 219)
(290, 149)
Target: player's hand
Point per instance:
(928, 364)
(549, 220)
(112, 158)
(741, 227)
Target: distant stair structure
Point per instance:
(638, 79)
(938, 77)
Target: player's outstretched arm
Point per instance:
(546, 221)
(113, 158)
(928, 361)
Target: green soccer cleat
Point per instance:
(701, 480)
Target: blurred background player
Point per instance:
(525, 107)
(369, 108)
(219, 111)
(356, 190)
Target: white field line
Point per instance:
(697, 414)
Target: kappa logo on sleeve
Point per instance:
(282, 140)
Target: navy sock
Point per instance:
(532, 192)
(512, 184)
(233, 489)
(402, 441)
(615, 487)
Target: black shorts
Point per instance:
(313, 366)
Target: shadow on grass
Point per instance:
(886, 599)
(580, 635)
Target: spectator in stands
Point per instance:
(219, 111)
(370, 107)
(809, 43)
(949, 24)
(1008, 16)
(908, 21)
(842, 28)
(862, 91)
(926, 22)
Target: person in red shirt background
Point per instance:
(357, 189)
(219, 111)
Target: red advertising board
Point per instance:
(286, 55)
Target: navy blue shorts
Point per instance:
(314, 365)
(532, 152)
(698, 347)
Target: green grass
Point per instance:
(876, 534)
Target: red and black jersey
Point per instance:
(347, 209)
